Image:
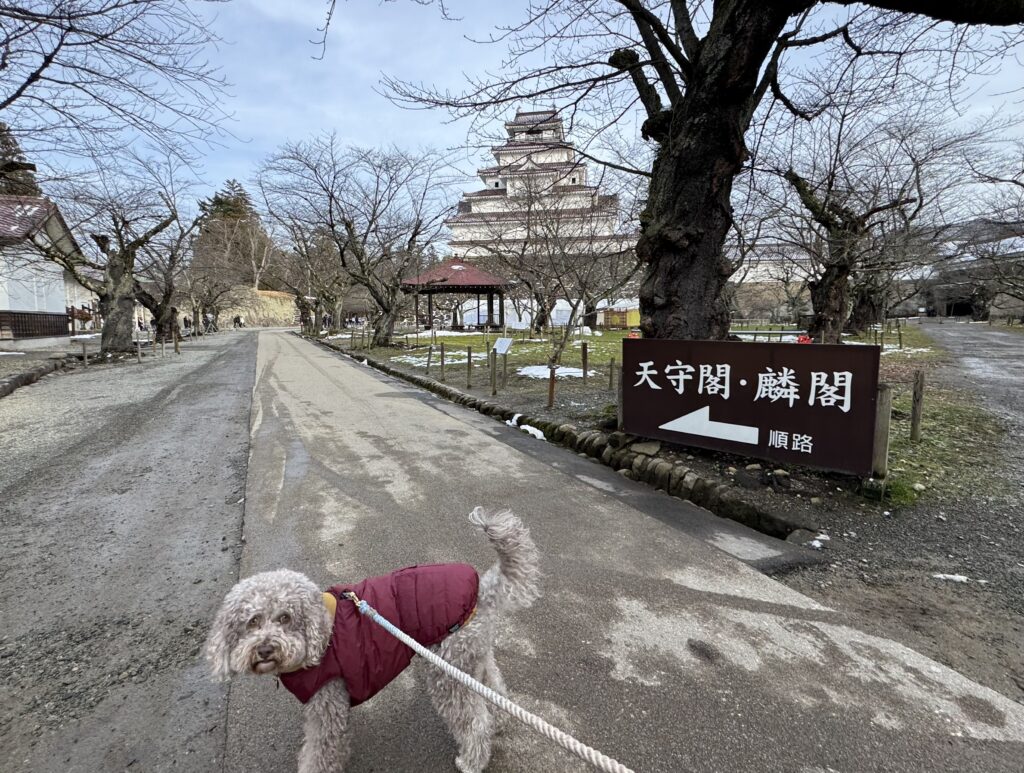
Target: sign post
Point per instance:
(812, 405)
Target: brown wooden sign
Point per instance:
(807, 404)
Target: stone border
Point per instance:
(618, 450)
(10, 383)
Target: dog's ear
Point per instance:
(317, 626)
(222, 639)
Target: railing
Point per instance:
(32, 324)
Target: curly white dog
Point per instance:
(332, 658)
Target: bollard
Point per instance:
(880, 457)
(504, 370)
(493, 357)
(899, 335)
(917, 406)
(430, 353)
(469, 367)
(352, 340)
(442, 361)
(163, 347)
(583, 352)
(611, 374)
(85, 357)
(138, 349)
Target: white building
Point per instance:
(35, 294)
(536, 193)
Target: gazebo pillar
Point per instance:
(430, 311)
(490, 309)
(416, 310)
(501, 309)
(478, 311)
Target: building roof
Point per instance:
(605, 204)
(454, 276)
(531, 144)
(533, 117)
(22, 216)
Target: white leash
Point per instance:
(593, 756)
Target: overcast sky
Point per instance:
(281, 92)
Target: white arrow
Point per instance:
(699, 423)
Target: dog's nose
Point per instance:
(264, 651)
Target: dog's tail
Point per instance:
(512, 583)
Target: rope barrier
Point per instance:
(566, 741)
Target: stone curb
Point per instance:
(615, 450)
(10, 383)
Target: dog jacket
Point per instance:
(426, 602)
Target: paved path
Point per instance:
(650, 642)
(988, 360)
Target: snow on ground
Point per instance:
(774, 337)
(895, 349)
(12, 354)
(532, 431)
(514, 422)
(85, 335)
(417, 361)
(957, 578)
(543, 371)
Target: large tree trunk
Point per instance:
(688, 213)
(869, 307)
(830, 297)
(117, 304)
(384, 325)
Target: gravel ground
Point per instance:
(884, 562)
(120, 507)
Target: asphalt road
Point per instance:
(657, 640)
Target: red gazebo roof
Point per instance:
(455, 276)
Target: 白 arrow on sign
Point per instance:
(699, 422)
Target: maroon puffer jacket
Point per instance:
(426, 602)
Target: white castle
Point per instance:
(534, 196)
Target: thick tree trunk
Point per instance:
(830, 301)
(702, 149)
(868, 307)
(118, 323)
(117, 304)
(384, 326)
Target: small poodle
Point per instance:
(332, 658)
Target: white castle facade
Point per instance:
(536, 198)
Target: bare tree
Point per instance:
(874, 188)
(75, 73)
(998, 246)
(699, 72)
(382, 209)
(124, 206)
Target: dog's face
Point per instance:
(270, 623)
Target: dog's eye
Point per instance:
(284, 618)
(254, 622)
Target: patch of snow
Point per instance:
(951, 577)
(532, 431)
(895, 349)
(781, 339)
(85, 335)
(324, 332)
(458, 268)
(514, 421)
(12, 354)
(338, 335)
(816, 544)
(823, 537)
(543, 371)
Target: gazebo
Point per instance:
(458, 277)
